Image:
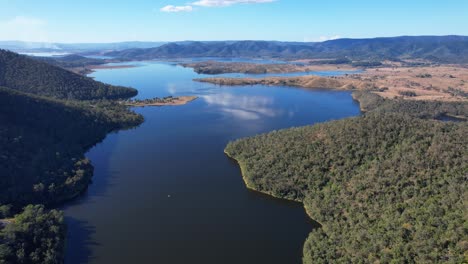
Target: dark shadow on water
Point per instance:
(103, 175)
(257, 195)
(447, 118)
(282, 202)
(79, 242)
(79, 233)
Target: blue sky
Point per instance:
(174, 20)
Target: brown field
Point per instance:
(435, 83)
(213, 67)
(441, 83)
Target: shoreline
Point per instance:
(250, 187)
(173, 101)
(447, 83)
(106, 66)
(92, 68)
(216, 67)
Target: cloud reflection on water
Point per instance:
(242, 106)
(172, 88)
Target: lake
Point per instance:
(166, 193)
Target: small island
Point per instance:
(165, 101)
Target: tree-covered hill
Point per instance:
(386, 187)
(29, 75)
(43, 142)
(49, 117)
(439, 49)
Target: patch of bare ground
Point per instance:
(435, 83)
(214, 67)
(430, 83)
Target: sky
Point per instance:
(98, 21)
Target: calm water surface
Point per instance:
(166, 193)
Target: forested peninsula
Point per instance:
(49, 117)
(386, 187)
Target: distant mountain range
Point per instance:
(441, 49)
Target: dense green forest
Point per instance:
(35, 236)
(386, 187)
(49, 117)
(37, 77)
(43, 143)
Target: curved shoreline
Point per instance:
(173, 101)
(409, 83)
(215, 67)
(250, 187)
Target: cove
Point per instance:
(165, 192)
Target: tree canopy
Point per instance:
(385, 187)
(43, 144)
(35, 236)
(33, 76)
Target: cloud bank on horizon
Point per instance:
(24, 28)
(210, 3)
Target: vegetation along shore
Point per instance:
(395, 172)
(165, 101)
(42, 104)
(386, 186)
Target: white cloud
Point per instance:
(176, 9)
(25, 21)
(325, 38)
(212, 3)
(23, 28)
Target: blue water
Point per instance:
(289, 74)
(189, 74)
(102, 57)
(166, 193)
(220, 59)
